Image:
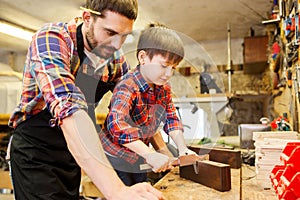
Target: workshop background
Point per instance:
(247, 49)
(205, 23)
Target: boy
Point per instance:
(140, 102)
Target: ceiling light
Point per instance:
(15, 31)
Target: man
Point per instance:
(54, 136)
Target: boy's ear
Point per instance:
(141, 57)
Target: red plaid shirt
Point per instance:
(49, 74)
(136, 111)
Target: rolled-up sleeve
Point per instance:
(50, 64)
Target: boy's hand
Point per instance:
(165, 151)
(158, 161)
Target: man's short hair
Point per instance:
(127, 8)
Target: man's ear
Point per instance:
(86, 17)
(141, 57)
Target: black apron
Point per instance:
(92, 88)
(42, 166)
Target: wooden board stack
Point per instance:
(268, 146)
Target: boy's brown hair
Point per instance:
(161, 40)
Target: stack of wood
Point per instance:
(268, 147)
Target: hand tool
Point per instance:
(181, 161)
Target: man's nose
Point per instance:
(117, 41)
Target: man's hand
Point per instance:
(140, 191)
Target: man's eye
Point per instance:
(164, 66)
(110, 33)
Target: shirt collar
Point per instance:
(141, 82)
(72, 27)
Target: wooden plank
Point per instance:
(4, 119)
(227, 156)
(88, 188)
(292, 135)
(100, 118)
(212, 174)
(5, 182)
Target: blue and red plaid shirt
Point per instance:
(136, 111)
(49, 74)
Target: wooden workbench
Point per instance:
(176, 188)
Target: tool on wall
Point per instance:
(294, 112)
(289, 78)
(229, 67)
(297, 68)
(297, 96)
(296, 22)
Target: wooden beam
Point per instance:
(211, 174)
(227, 156)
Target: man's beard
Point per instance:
(104, 51)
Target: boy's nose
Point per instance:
(169, 71)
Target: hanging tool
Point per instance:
(296, 22)
(294, 110)
(229, 66)
(289, 78)
(297, 67)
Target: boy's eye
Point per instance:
(166, 66)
